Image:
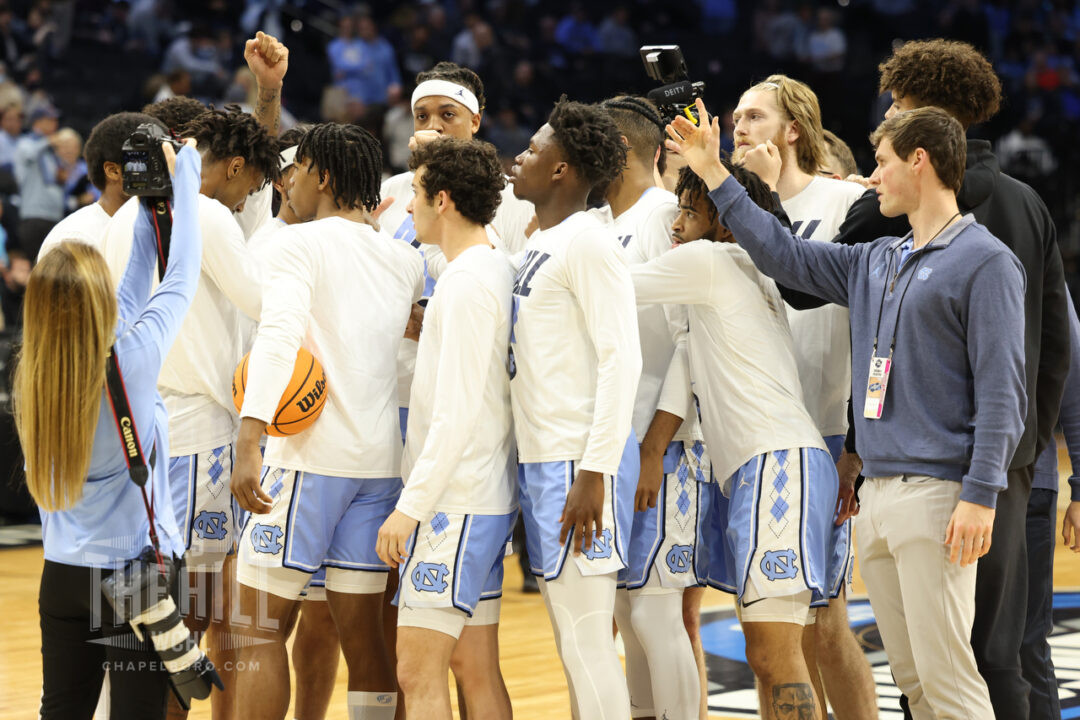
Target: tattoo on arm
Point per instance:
(794, 701)
(268, 109)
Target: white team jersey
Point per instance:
(458, 451)
(258, 211)
(86, 225)
(196, 379)
(508, 228)
(343, 291)
(644, 230)
(741, 359)
(576, 358)
(822, 335)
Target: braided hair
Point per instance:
(590, 141)
(175, 112)
(696, 189)
(229, 133)
(352, 159)
(640, 123)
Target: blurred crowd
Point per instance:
(64, 64)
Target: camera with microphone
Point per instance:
(665, 64)
(142, 162)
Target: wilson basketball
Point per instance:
(302, 401)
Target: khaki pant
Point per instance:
(924, 605)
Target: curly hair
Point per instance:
(106, 142)
(351, 157)
(293, 135)
(229, 133)
(590, 141)
(696, 189)
(640, 123)
(176, 112)
(947, 73)
(454, 73)
(468, 170)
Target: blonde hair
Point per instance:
(800, 104)
(69, 324)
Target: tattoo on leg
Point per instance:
(794, 701)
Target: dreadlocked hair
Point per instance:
(696, 189)
(455, 73)
(590, 141)
(640, 123)
(229, 133)
(351, 157)
(293, 135)
(176, 112)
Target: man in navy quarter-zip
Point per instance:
(937, 336)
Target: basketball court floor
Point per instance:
(533, 674)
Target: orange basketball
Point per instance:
(302, 401)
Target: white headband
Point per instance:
(288, 156)
(445, 88)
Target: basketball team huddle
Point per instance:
(644, 347)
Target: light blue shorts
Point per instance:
(842, 561)
(664, 539)
(543, 496)
(317, 521)
(455, 561)
(774, 536)
(204, 507)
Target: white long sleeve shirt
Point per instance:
(822, 335)
(644, 230)
(458, 451)
(507, 233)
(343, 291)
(741, 360)
(575, 347)
(196, 379)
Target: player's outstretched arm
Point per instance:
(268, 60)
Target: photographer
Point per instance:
(95, 520)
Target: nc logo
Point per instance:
(925, 273)
(430, 577)
(779, 565)
(601, 546)
(210, 525)
(266, 538)
(679, 558)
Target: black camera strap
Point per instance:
(129, 440)
(161, 213)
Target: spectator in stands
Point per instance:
(198, 54)
(826, 45)
(576, 33)
(364, 64)
(71, 171)
(177, 83)
(11, 122)
(1024, 154)
(41, 194)
(616, 37)
(509, 135)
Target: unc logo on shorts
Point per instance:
(430, 577)
(601, 546)
(210, 525)
(266, 539)
(679, 558)
(779, 564)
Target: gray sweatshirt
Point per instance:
(955, 400)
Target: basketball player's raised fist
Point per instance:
(267, 58)
(420, 137)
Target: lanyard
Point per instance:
(885, 290)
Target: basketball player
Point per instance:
(333, 285)
(770, 534)
(661, 672)
(575, 363)
(449, 531)
(970, 91)
(786, 112)
(839, 163)
(102, 152)
(935, 457)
